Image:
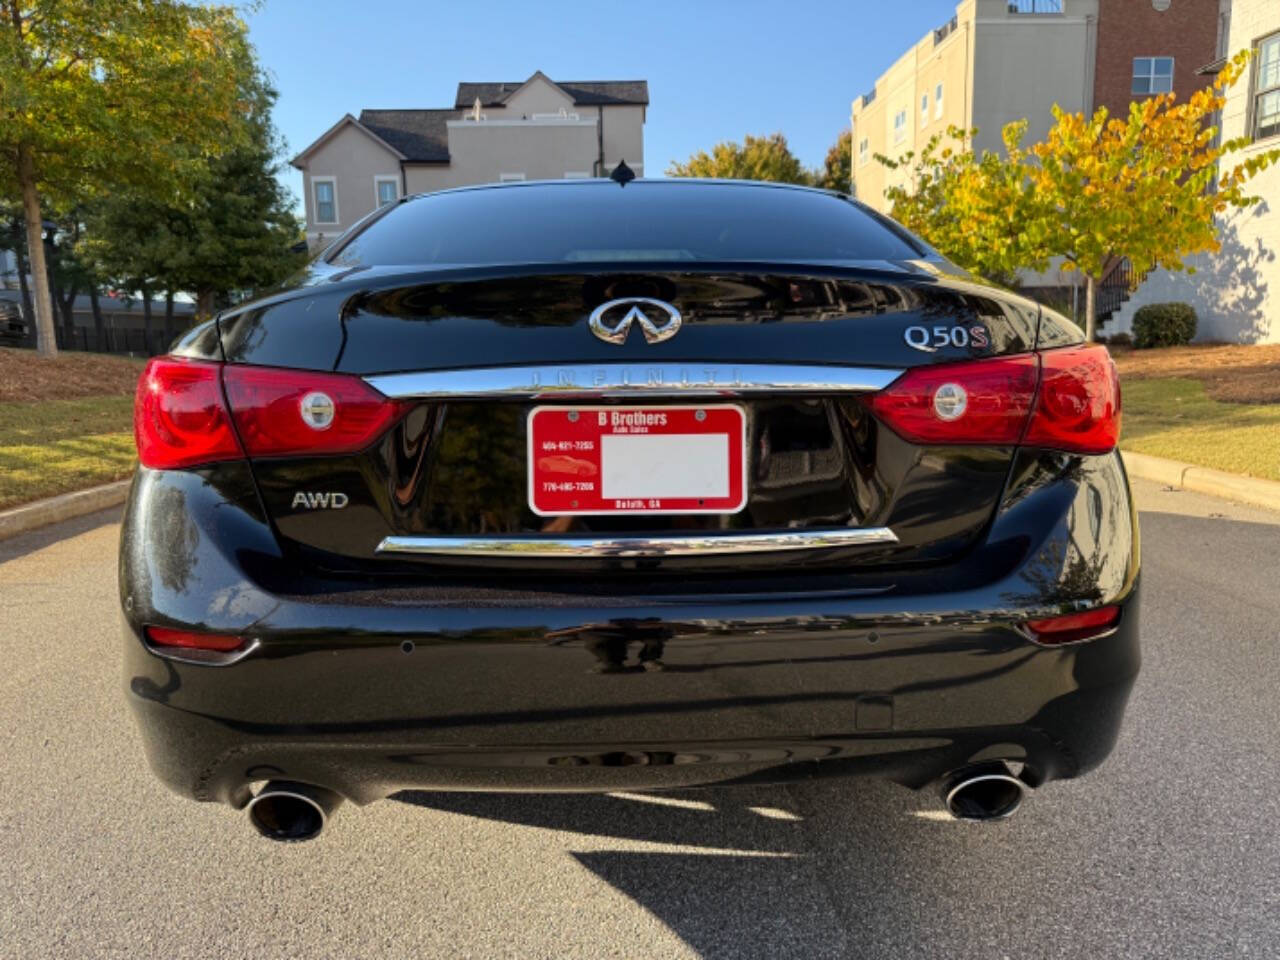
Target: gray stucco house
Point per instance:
(537, 129)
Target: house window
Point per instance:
(864, 151)
(900, 126)
(387, 189)
(1266, 89)
(326, 200)
(510, 177)
(937, 102)
(924, 109)
(1152, 75)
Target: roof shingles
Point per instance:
(421, 135)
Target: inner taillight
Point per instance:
(1066, 399)
(179, 419)
(301, 413)
(983, 401)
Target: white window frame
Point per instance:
(899, 128)
(577, 175)
(510, 177)
(380, 179)
(315, 201)
(1150, 76)
(924, 110)
(1256, 88)
(937, 102)
(864, 151)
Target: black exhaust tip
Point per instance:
(989, 791)
(290, 812)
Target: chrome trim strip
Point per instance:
(631, 380)
(533, 546)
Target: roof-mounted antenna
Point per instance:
(622, 174)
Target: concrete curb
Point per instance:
(31, 516)
(1215, 483)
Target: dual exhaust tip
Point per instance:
(291, 812)
(988, 791)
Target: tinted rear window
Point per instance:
(600, 222)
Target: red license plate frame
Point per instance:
(601, 459)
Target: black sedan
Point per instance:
(600, 486)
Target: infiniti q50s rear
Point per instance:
(588, 486)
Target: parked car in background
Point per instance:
(13, 327)
(598, 485)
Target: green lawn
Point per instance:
(56, 446)
(1175, 418)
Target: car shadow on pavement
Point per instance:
(748, 871)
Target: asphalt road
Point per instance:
(1171, 849)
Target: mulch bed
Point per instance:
(1230, 373)
(27, 377)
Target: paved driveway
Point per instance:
(1171, 849)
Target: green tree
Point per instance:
(979, 211)
(756, 158)
(233, 229)
(98, 96)
(837, 168)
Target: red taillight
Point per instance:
(298, 412)
(1078, 408)
(996, 401)
(190, 640)
(179, 419)
(985, 401)
(1075, 626)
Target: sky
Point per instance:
(716, 70)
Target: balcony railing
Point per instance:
(1035, 6)
(945, 30)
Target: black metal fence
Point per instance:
(134, 342)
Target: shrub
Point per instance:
(1163, 325)
(1121, 340)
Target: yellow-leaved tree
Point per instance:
(1147, 187)
(101, 95)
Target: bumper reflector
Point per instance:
(188, 640)
(1075, 626)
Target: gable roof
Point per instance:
(346, 120)
(421, 136)
(585, 93)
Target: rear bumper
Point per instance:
(372, 692)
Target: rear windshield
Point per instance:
(600, 222)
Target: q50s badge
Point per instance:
(320, 501)
(929, 339)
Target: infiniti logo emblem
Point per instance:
(612, 321)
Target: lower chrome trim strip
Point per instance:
(729, 544)
(632, 380)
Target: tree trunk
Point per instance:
(1090, 308)
(68, 307)
(204, 304)
(98, 323)
(46, 343)
(169, 333)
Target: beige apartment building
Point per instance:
(538, 129)
(994, 61)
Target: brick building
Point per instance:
(1152, 46)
